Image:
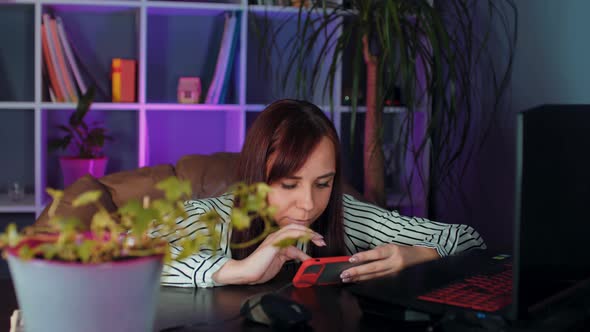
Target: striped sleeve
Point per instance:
(367, 226)
(198, 270)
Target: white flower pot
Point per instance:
(74, 297)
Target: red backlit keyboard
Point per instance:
(489, 292)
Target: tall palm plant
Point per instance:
(430, 52)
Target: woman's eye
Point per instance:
(323, 185)
(288, 186)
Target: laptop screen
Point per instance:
(552, 226)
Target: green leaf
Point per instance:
(25, 252)
(85, 250)
(262, 190)
(70, 224)
(49, 250)
(290, 241)
(164, 207)
(175, 189)
(239, 219)
(131, 208)
(101, 220)
(86, 198)
(55, 193)
(142, 222)
(10, 237)
(211, 217)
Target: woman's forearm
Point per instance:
(232, 272)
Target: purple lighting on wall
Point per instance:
(171, 137)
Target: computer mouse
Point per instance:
(275, 311)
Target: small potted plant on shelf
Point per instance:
(107, 278)
(85, 141)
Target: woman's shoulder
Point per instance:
(351, 201)
(222, 203)
(353, 205)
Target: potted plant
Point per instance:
(433, 54)
(85, 142)
(107, 278)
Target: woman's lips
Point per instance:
(303, 222)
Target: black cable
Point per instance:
(222, 321)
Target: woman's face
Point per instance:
(303, 197)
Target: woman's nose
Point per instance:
(305, 200)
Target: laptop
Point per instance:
(547, 266)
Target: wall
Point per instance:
(550, 66)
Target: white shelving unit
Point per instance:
(138, 119)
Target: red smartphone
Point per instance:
(321, 271)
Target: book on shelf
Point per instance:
(97, 78)
(61, 61)
(47, 92)
(71, 94)
(123, 80)
(63, 71)
(210, 99)
(230, 61)
(219, 84)
(50, 64)
(73, 66)
(60, 85)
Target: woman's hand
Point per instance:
(385, 260)
(268, 259)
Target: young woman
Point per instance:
(294, 148)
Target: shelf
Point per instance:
(264, 86)
(171, 135)
(27, 204)
(105, 6)
(97, 34)
(190, 8)
(169, 39)
(187, 46)
(18, 2)
(16, 105)
(264, 9)
(17, 74)
(363, 109)
(261, 107)
(191, 107)
(95, 106)
(121, 151)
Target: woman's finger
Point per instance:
(377, 253)
(365, 269)
(302, 228)
(286, 233)
(369, 276)
(295, 253)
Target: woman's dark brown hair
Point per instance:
(290, 130)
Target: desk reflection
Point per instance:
(332, 307)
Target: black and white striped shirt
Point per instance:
(365, 226)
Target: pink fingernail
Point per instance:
(353, 259)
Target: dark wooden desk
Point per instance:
(333, 308)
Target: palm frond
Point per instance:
(432, 54)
